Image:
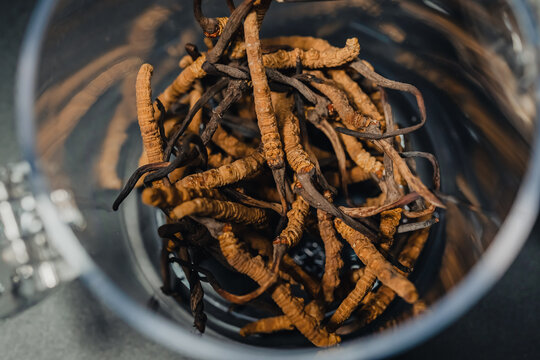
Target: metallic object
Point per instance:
(29, 266)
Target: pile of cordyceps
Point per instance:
(253, 145)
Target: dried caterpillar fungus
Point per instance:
(359, 97)
(195, 96)
(279, 323)
(341, 104)
(250, 102)
(376, 303)
(297, 157)
(313, 59)
(290, 236)
(152, 144)
(264, 247)
(369, 255)
(220, 210)
(230, 144)
(361, 157)
(182, 84)
(345, 309)
(389, 222)
(266, 117)
(171, 196)
(226, 174)
(333, 262)
(291, 306)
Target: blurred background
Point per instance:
(72, 324)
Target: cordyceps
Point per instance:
(150, 133)
(382, 268)
(333, 262)
(289, 127)
(241, 153)
(266, 118)
(226, 174)
(291, 306)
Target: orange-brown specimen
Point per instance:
(220, 210)
(332, 249)
(153, 146)
(164, 197)
(356, 94)
(389, 222)
(361, 157)
(288, 265)
(289, 129)
(230, 144)
(291, 306)
(266, 117)
(414, 183)
(280, 323)
(182, 84)
(313, 59)
(291, 235)
(226, 174)
(372, 258)
(375, 303)
(351, 302)
(340, 103)
(216, 160)
(194, 96)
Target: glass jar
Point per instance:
(474, 61)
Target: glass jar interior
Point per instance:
(467, 58)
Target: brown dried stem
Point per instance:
(369, 255)
(291, 306)
(367, 211)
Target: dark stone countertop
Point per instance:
(71, 324)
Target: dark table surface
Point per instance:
(71, 324)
